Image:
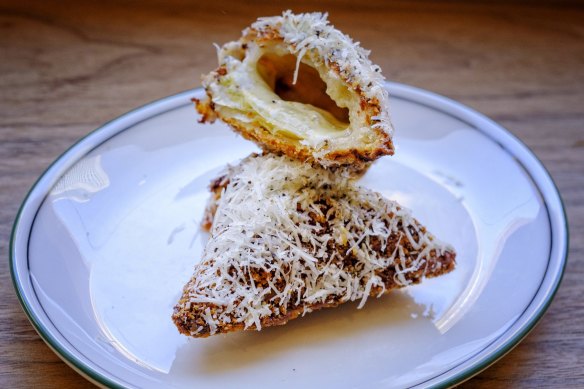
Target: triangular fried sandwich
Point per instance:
(288, 238)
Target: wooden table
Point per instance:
(69, 66)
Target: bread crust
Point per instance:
(279, 145)
(188, 318)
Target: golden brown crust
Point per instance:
(216, 188)
(205, 108)
(280, 145)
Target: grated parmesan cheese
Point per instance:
(287, 235)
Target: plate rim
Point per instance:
(558, 227)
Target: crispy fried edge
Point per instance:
(183, 317)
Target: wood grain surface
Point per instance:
(66, 67)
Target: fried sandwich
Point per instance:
(288, 238)
(297, 86)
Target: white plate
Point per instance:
(109, 234)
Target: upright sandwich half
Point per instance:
(297, 86)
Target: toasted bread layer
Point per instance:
(288, 239)
(295, 85)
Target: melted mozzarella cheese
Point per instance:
(244, 90)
